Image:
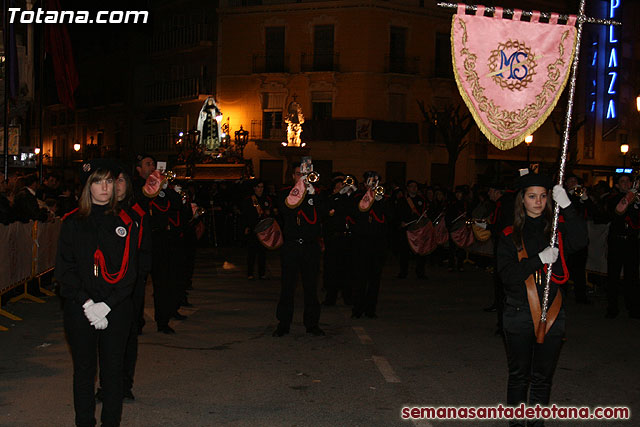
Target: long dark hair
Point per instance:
(520, 214)
(84, 204)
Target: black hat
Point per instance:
(140, 157)
(371, 174)
(412, 181)
(534, 180)
(93, 165)
(337, 175)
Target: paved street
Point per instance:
(431, 345)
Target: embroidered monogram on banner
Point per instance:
(510, 73)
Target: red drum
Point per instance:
(463, 236)
(440, 231)
(269, 233)
(421, 237)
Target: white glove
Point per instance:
(345, 189)
(548, 255)
(378, 198)
(102, 324)
(482, 225)
(560, 196)
(585, 196)
(96, 312)
(310, 189)
(87, 303)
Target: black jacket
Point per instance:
(373, 222)
(303, 221)
(79, 240)
(514, 273)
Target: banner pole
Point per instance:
(541, 330)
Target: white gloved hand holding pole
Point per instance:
(548, 255)
(560, 196)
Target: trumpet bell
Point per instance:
(313, 177)
(349, 181)
(378, 190)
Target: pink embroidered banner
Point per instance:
(510, 73)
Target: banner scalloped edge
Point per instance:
(514, 142)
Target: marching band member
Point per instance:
(164, 206)
(301, 209)
(456, 217)
(255, 208)
(501, 217)
(522, 255)
(624, 211)
(96, 266)
(577, 262)
(338, 242)
(372, 215)
(410, 209)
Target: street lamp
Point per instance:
(638, 103)
(624, 149)
(528, 140)
(242, 137)
(76, 147)
(36, 151)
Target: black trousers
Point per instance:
(531, 365)
(623, 253)
(405, 253)
(165, 274)
(337, 267)
(456, 255)
(370, 255)
(299, 260)
(255, 251)
(86, 344)
(577, 263)
(131, 351)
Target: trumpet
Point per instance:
(378, 190)
(472, 221)
(313, 177)
(349, 181)
(579, 191)
(170, 175)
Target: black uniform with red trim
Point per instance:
(527, 374)
(371, 231)
(338, 249)
(300, 256)
(409, 209)
(624, 251)
(97, 259)
(166, 220)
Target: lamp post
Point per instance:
(242, 137)
(528, 140)
(624, 149)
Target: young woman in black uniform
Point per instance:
(96, 266)
(522, 254)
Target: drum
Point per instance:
(269, 233)
(440, 231)
(421, 237)
(462, 236)
(481, 234)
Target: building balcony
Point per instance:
(184, 39)
(160, 143)
(345, 130)
(402, 64)
(258, 131)
(310, 62)
(173, 91)
(278, 63)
